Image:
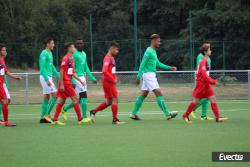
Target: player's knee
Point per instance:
(83, 95)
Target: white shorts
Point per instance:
(48, 89)
(6, 91)
(79, 87)
(149, 81)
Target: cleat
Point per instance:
(85, 121)
(172, 115)
(9, 124)
(64, 115)
(58, 123)
(117, 122)
(2, 122)
(207, 118)
(43, 120)
(187, 120)
(193, 114)
(135, 117)
(48, 119)
(221, 119)
(92, 116)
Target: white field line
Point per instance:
(72, 115)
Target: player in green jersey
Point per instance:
(147, 73)
(47, 69)
(82, 69)
(203, 102)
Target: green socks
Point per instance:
(138, 104)
(83, 103)
(69, 106)
(162, 105)
(44, 108)
(0, 111)
(52, 102)
(204, 107)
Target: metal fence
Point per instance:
(176, 86)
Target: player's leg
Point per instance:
(204, 106)
(1, 121)
(114, 108)
(6, 113)
(59, 106)
(52, 103)
(190, 108)
(160, 101)
(44, 108)
(138, 104)
(215, 109)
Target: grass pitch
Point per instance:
(147, 143)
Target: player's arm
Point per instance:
(198, 60)
(204, 73)
(142, 65)
(89, 74)
(42, 63)
(55, 72)
(164, 66)
(61, 80)
(105, 72)
(13, 76)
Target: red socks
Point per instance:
(189, 109)
(215, 110)
(114, 110)
(58, 111)
(101, 106)
(78, 111)
(5, 112)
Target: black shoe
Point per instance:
(117, 122)
(135, 117)
(172, 115)
(44, 121)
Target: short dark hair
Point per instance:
(68, 44)
(204, 47)
(2, 45)
(47, 40)
(154, 36)
(114, 44)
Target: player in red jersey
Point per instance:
(109, 80)
(66, 89)
(203, 88)
(3, 89)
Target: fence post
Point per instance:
(195, 73)
(248, 84)
(27, 88)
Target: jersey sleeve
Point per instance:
(55, 72)
(198, 60)
(161, 65)
(143, 63)
(89, 74)
(105, 72)
(203, 69)
(42, 65)
(6, 81)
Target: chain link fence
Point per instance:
(176, 86)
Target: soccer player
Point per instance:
(109, 80)
(47, 69)
(4, 94)
(203, 88)
(203, 102)
(147, 72)
(82, 68)
(66, 89)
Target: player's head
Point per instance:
(70, 47)
(204, 45)
(79, 44)
(206, 50)
(3, 50)
(49, 43)
(114, 48)
(155, 40)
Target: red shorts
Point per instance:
(203, 91)
(110, 90)
(69, 91)
(3, 94)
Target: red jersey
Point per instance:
(109, 70)
(202, 75)
(3, 71)
(68, 69)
